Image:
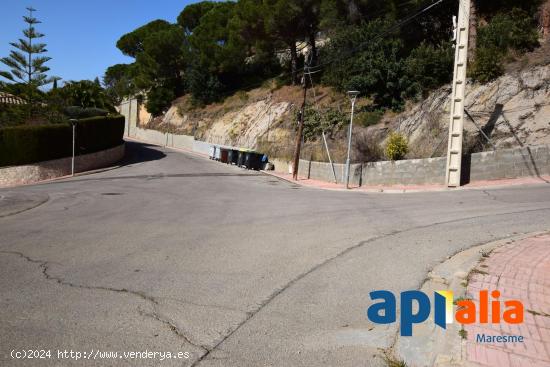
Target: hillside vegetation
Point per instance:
(230, 72)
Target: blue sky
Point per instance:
(81, 34)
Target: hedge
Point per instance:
(30, 144)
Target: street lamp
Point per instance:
(352, 96)
(73, 123)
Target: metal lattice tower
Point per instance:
(456, 126)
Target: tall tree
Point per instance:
(25, 63)
(285, 20)
(159, 49)
(190, 17)
(131, 44)
(119, 81)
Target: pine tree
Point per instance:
(26, 66)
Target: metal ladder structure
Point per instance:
(456, 126)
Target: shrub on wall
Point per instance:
(397, 147)
(30, 144)
(99, 133)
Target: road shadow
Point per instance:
(465, 172)
(139, 153)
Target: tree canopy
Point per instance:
(216, 48)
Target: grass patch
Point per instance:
(392, 361)
(477, 271)
(485, 253)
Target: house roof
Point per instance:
(6, 98)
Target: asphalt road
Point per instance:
(175, 253)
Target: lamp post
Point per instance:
(73, 123)
(352, 96)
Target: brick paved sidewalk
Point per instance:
(410, 188)
(519, 270)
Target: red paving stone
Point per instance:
(519, 270)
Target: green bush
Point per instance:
(513, 31)
(99, 133)
(29, 144)
(369, 118)
(397, 147)
(487, 65)
(159, 100)
(377, 70)
(318, 121)
(430, 67)
(76, 112)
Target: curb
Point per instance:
(433, 346)
(478, 185)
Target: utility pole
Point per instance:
(456, 125)
(300, 130)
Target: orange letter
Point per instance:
(514, 315)
(483, 307)
(495, 308)
(466, 313)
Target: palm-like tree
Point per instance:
(25, 63)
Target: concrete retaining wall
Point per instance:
(202, 147)
(507, 163)
(501, 164)
(511, 163)
(31, 173)
(408, 172)
(150, 136)
(186, 142)
(130, 110)
(181, 141)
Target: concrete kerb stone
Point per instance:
(431, 345)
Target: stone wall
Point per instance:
(408, 172)
(510, 163)
(185, 142)
(32, 173)
(494, 165)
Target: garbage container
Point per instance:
(212, 152)
(253, 161)
(224, 155)
(242, 158)
(265, 162)
(233, 156)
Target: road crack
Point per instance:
(44, 265)
(277, 292)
